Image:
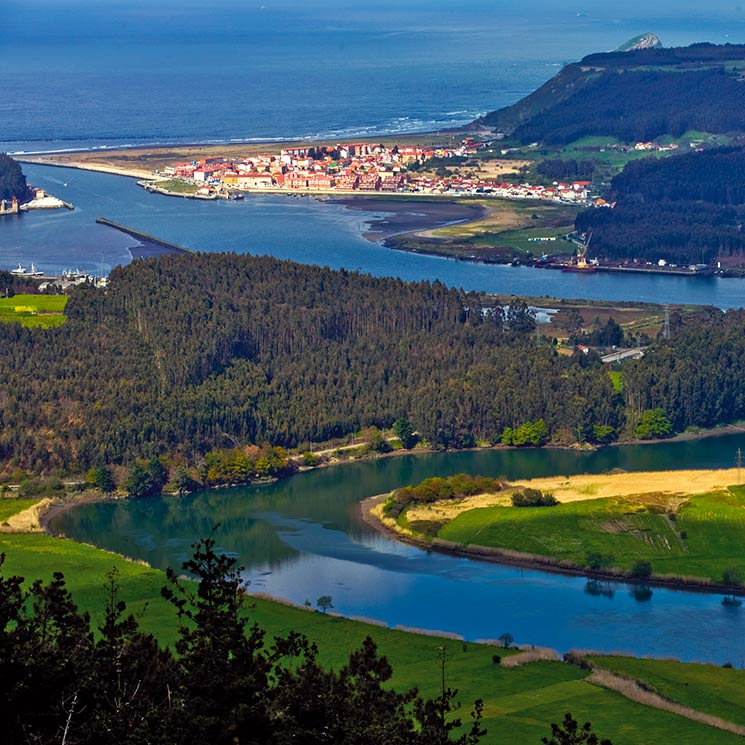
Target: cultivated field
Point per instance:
(33, 310)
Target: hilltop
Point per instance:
(632, 95)
(643, 41)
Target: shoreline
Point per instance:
(483, 553)
(423, 242)
(536, 562)
(61, 507)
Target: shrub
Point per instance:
(572, 658)
(732, 576)
(40, 487)
(529, 433)
(533, 498)
(641, 568)
(654, 424)
(311, 459)
(596, 560)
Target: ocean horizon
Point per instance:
(84, 75)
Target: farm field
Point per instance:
(33, 311)
(708, 688)
(10, 507)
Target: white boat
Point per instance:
(19, 272)
(35, 272)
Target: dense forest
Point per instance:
(636, 95)
(12, 180)
(634, 105)
(63, 680)
(684, 209)
(564, 169)
(187, 354)
(199, 356)
(697, 377)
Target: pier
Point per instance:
(146, 238)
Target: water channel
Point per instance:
(302, 229)
(302, 537)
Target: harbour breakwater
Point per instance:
(149, 245)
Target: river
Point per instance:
(302, 229)
(302, 537)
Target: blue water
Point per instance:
(99, 74)
(290, 227)
(302, 538)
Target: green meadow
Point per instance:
(714, 690)
(10, 507)
(520, 702)
(33, 310)
(700, 537)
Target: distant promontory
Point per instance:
(12, 181)
(635, 95)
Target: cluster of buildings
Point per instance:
(9, 206)
(646, 147)
(40, 201)
(359, 167)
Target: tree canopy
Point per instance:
(61, 683)
(12, 180)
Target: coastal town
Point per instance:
(359, 168)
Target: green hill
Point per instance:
(12, 180)
(633, 95)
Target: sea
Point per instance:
(85, 74)
(108, 73)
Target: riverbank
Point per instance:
(655, 515)
(520, 700)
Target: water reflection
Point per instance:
(600, 588)
(303, 537)
(641, 593)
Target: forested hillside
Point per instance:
(12, 180)
(195, 353)
(697, 377)
(189, 353)
(685, 209)
(637, 95)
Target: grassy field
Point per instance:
(176, 186)
(34, 310)
(708, 688)
(503, 215)
(688, 536)
(519, 702)
(10, 507)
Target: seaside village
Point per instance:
(359, 167)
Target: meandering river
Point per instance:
(302, 537)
